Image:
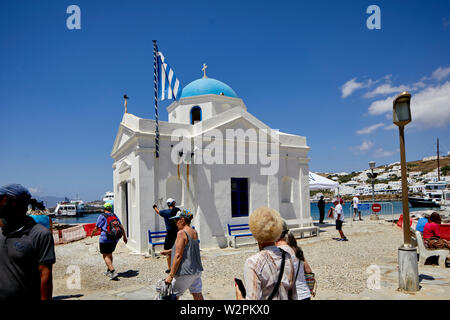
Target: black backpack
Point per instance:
(113, 229)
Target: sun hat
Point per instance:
(187, 214)
(170, 201)
(107, 206)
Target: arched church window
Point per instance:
(196, 114)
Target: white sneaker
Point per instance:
(112, 275)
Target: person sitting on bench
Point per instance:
(431, 233)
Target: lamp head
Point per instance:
(402, 109)
(372, 164)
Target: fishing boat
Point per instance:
(422, 202)
(435, 194)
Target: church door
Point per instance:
(239, 197)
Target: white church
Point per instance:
(217, 192)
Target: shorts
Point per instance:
(355, 210)
(107, 248)
(339, 224)
(169, 241)
(192, 282)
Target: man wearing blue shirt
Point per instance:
(171, 228)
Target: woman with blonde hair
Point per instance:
(269, 274)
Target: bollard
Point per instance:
(408, 270)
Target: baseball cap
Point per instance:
(183, 214)
(107, 206)
(170, 201)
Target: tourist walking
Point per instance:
(321, 206)
(171, 227)
(432, 235)
(27, 251)
(111, 232)
(339, 217)
(269, 274)
(186, 269)
(355, 203)
(288, 243)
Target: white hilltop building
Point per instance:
(217, 194)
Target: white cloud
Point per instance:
(381, 153)
(365, 146)
(392, 126)
(381, 106)
(352, 85)
(440, 73)
(370, 129)
(429, 107)
(386, 89)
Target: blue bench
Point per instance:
(152, 236)
(232, 228)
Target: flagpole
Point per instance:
(155, 77)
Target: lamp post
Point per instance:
(408, 272)
(372, 176)
(336, 179)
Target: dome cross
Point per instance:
(204, 70)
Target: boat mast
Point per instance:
(438, 160)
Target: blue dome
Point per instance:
(207, 86)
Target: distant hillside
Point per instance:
(417, 165)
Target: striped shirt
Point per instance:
(261, 273)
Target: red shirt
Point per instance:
(431, 229)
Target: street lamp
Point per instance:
(336, 179)
(372, 176)
(408, 272)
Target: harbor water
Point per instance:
(397, 207)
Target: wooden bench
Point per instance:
(232, 228)
(425, 252)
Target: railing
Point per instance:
(366, 209)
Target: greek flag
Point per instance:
(168, 85)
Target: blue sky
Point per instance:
(310, 68)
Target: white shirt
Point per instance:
(355, 202)
(303, 291)
(338, 210)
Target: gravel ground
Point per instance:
(339, 266)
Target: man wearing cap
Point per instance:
(171, 227)
(27, 251)
(107, 246)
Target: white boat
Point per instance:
(109, 197)
(65, 209)
(436, 193)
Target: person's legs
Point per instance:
(322, 215)
(108, 260)
(196, 287)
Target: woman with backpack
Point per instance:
(112, 231)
